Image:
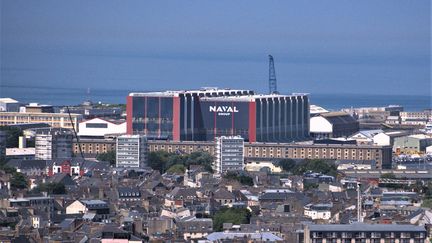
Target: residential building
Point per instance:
(55, 120)
(362, 232)
(333, 125)
(53, 143)
(98, 207)
(229, 154)
(192, 228)
(131, 151)
(415, 118)
(318, 211)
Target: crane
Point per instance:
(272, 76)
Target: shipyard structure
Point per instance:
(203, 115)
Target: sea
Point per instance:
(75, 96)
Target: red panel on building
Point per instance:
(176, 119)
(252, 121)
(129, 114)
(66, 167)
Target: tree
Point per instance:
(287, 164)
(176, 169)
(51, 188)
(18, 181)
(230, 215)
(161, 160)
(243, 179)
(12, 135)
(315, 165)
(108, 157)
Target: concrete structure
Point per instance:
(131, 151)
(53, 143)
(275, 151)
(361, 232)
(387, 138)
(333, 125)
(55, 120)
(412, 144)
(229, 154)
(10, 105)
(198, 115)
(98, 127)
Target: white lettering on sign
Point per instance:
(223, 109)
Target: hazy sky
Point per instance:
(330, 46)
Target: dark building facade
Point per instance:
(205, 114)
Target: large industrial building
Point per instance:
(203, 115)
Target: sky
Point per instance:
(335, 46)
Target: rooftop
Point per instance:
(361, 227)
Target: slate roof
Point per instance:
(362, 227)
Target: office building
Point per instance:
(361, 232)
(55, 120)
(53, 143)
(200, 115)
(91, 147)
(229, 154)
(131, 151)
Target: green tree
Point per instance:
(176, 169)
(108, 157)
(161, 160)
(315, 165)
(243, 179)
(230, 215)
(287, 164)
(18, 181)
(12, 135)
(51, 188)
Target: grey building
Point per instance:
(229, 154)
(131, 151)
(53, 143)
(361, 232)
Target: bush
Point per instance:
(243, 179)
(230, 215)
(108, 157)
(162, 161)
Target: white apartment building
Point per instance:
(229, 154)
(131, 151)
